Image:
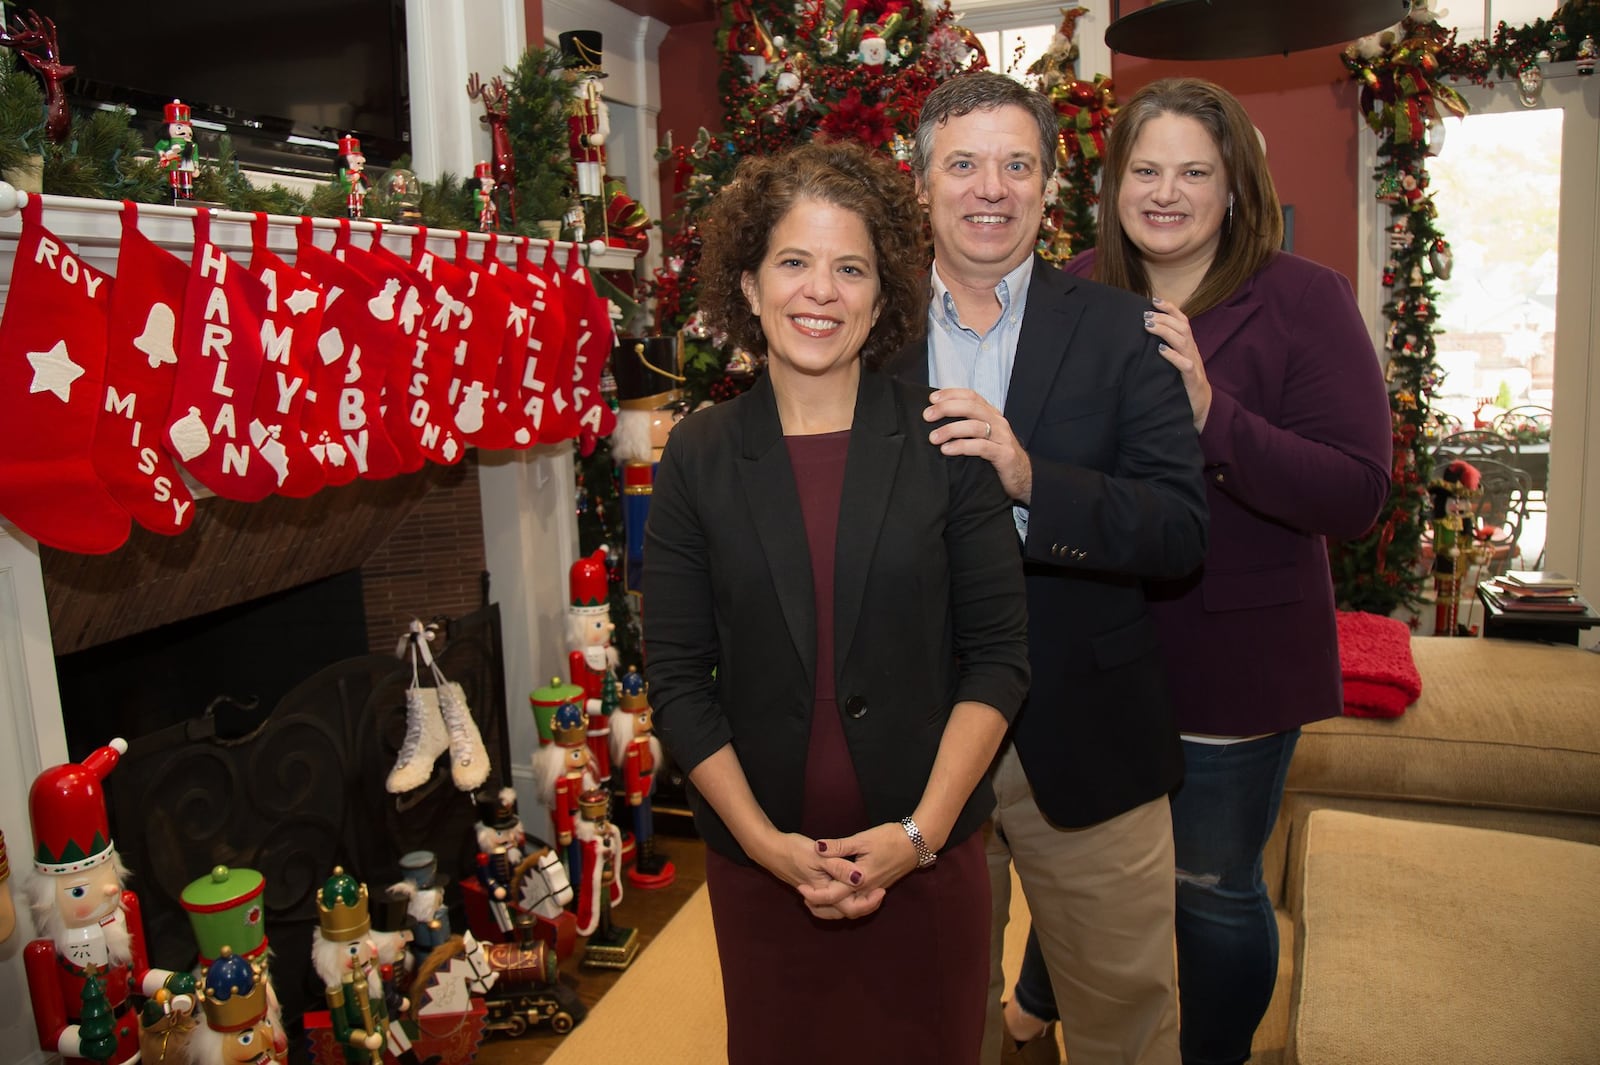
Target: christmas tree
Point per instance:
(97, 1038)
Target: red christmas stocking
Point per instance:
(52, 382)
(592, 341)
(470, 326)
(408, 375)
(141, 369)
(353, 351)
(211, 425)
(547, 402)
(492, 303)
(519, 359)
(361, 399)
(289, 339)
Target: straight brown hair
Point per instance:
(1252, 231)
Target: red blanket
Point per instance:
(1380, 676)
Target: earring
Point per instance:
(1230, 210)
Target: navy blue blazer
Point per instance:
(929, 607)
(1117, 498)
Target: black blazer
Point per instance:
(929, 606)
(1117, 497)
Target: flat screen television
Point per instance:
(272, 74)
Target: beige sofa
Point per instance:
(1388, 913)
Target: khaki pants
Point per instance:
(1101, 899)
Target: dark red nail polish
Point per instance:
(822, 848)
(855, 877)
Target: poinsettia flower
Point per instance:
(852, 118)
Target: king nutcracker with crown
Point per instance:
(345, 954)
(563, 772)
(239, 1028)
(92, 947)
(227, 914)
(638, 755)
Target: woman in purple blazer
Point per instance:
(1290, 404)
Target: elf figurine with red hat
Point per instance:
(177, 153)
(593, 661)
(90, 927)
(488, 210)
(353, 175)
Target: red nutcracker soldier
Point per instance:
(176, 152)
(85, 918)
(353, 175)
(593, 661)
(638, 756)
(488, 210)
(563, 773)
(610, 945)
(588, 120)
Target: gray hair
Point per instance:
(984, 90)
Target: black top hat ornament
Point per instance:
(581, 52)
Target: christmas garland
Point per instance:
(1404, 95)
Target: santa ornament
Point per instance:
(488, 210)
(91, 956)
(52, 385)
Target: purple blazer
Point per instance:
(1297, 447)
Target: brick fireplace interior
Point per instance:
(249, 662)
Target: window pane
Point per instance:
(1023, 47)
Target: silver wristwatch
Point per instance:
(925, 855)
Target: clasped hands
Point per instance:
(842, 878)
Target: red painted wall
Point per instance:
(689, 97)
(1308, 109)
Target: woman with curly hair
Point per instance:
(835, 632)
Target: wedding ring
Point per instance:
(988, 430)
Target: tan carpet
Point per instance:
(670, 1000)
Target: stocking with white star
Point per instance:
(289, 339)
(52, 382)
(212, 426)
(141, 369)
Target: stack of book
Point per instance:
(1535, 592)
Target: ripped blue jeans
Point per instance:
(1227, 932)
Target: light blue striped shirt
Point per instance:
(959, 358)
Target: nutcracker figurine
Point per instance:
(588, 119)
(547, 700)
(499, 825)
(593, 661)
(1452, 491)
(226, 913)
(638, 754)
(564, 773)
(423, 890)
(176, 152)
(8, 909)
(353, 175)
(488, 210)
(92, 950)
(347, 957)
(610, 945)
(239, 1027)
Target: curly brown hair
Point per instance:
(739, 225)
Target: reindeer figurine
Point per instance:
(497, 109)
(34, 37)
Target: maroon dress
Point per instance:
(906, 983)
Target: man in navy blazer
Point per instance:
(1054, 380)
